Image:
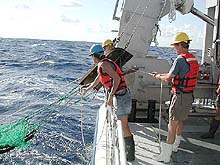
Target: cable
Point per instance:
(130, 19)
(81, 124)
(161, 94)
(47, 96)
(172, 13)
(135, 28)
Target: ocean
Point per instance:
(34, 75)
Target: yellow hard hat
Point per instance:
(180, 37)
(107, 42)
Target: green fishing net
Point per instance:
(16, 134)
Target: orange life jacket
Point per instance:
(218, 87)
(106, 80)
(188, 82)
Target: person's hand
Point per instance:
(110, 100)
(83, 90)
(153, 73)
(156, 75)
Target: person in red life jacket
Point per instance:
(214, 125)
(183, 77)
(118, 94)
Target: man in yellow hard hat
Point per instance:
(108, 46)
(180, 37)
(107, 42)
(183, 77)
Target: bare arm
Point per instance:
(163, 76)
(91, 85)
(107, 68)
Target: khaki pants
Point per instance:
(180, 106)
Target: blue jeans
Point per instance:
(122, 103)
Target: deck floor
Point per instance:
(192, 151)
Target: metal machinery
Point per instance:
(138, 28)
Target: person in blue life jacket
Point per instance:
(118, 94)
(183, 76)
(214, 125)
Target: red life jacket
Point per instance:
(106, 80)
(218, 87)
(188, 82)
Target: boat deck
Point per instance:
(192, 151)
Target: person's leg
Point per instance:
(179, 131)
(182, 114)
(166, 148)
(125, 127)
(123, 105)
(178, 111)
(214, 125)
(128, 138)
(172, 127)
(217, 113)
(179, 128)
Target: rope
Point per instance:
(164, 4)
(81, 123)
(18, 111)
(18, 133)
(107, 137)
(111, 133)
(129, 21)
(172, 13)
(161, 94)
(154, 34)
(113, 129)
(157, 28)
(135, 28)
(60, 99)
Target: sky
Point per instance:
(83, 20)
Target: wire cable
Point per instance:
(161, 95)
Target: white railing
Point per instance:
(108, 143)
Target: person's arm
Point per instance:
(164, 76)
(91, 85)
(107, 68)
(172, 72)
(128, 71)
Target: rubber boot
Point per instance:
(213, 128)
(176, 143)
(166, 152)
(130, 148)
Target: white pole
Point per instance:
(123, 160)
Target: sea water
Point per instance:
(36, 73)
